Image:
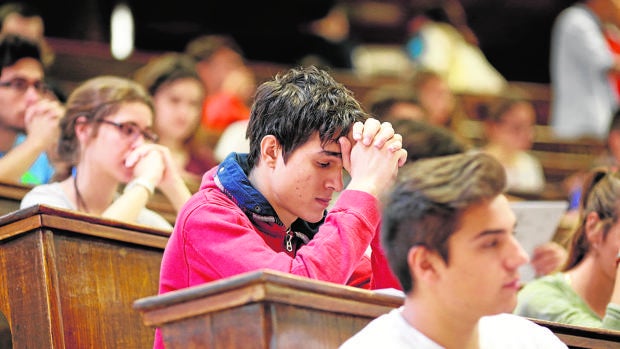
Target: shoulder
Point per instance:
(508, 330)
(546, 289)
(389, 331)
(548, 283)
(47, 194)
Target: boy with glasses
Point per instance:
(28, 115)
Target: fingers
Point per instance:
(142, 152)
(548, 258)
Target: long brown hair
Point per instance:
(600, 194)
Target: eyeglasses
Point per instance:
(21, 85)
(132, 131)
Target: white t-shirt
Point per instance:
(53, 195)
(505, 331)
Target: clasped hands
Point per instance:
(372, 155)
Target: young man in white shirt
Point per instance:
(448, 236)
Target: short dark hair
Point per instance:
(426, 204)
(14, 47)
(293, 106)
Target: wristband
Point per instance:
(141, 182)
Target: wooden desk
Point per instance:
(68, 280)
(11, 195)
(263, 309)
(267, 309)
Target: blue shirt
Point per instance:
(41, 170)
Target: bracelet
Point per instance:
(141, 182)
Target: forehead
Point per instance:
(493, 214)
(182, 87)
(313, 145)
(27, 68)
(136, 112)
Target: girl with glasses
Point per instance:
(106, 137)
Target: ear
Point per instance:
(593, 229)
(83, 129)
(270, 150)
(424, 265)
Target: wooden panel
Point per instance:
(25, 286)
(99, 279)
(68, 280)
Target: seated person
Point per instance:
(29, 114)
(509, 130)
(436, 98)
(448, 235)
(177, 93)
(106, 136)
(587, 292)
(423, 140)
(229, 83)
(267, 209)
(395, 103)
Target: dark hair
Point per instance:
(382, 101)
(165, 69)
(423, 140)
(21, 8)
(600, 194)
(293, 106)
(95, 99)
(14, 47)
(425, 205)
(203, 47)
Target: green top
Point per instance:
(552, 298)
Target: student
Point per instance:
(28, 115)
(583, 95)
(266, 209)
(177, 93)
(448, 236)
(587, 292)
(106, 136)
(509, 130)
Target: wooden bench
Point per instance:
(267, 309)
(68, 280)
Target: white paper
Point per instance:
(537, 222)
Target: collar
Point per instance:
(232, 179)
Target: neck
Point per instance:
(171, 143)
(440, 325)
(96, 191)
(257, 177)
(591, 283)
